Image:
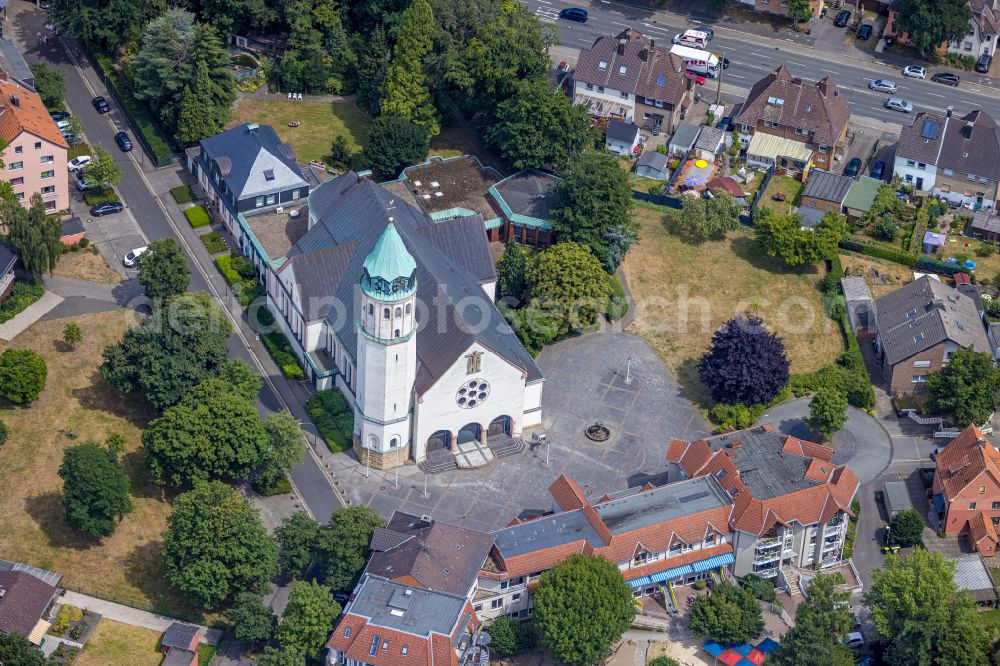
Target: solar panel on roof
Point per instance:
(929, 130)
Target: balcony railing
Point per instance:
(770, 557)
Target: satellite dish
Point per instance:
(481, 638)
(291, 213)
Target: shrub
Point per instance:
(183, 194)
(22, 375)
(736, 417)
(333, 418)
(21, 296)
(100, 195)
(197, 216)
(243, 266)
(4, 433)
(281, 351)
(67, 615)
(760, 588)
(77, 149)
(214, 242)
(700, 584)
(225, 266)
(281, 486)
(663, 661)
(985, 250)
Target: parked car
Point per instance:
(133, 256)
(79, 162)
(62, 124)
(947, 78)
(864, 32)
(853, 167)
(882, 85)
(694, 38)
(705, 29)
(914, 71)
(842, 19)
(854, 640)
(727, 124)
(124, 143)
(898, 104)
(59, 115)
(106, 208)
(877, 169)
(983, 64)
(101, 104)
(578, 14)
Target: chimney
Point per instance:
(644, 55)
(652, 44)
(950, 110)
(621, 47)
(15, 100)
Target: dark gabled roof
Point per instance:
(924, 313)
(528, 192)
(649, 71)
(178, 657)
(817, 107)
(253, 160)
(653, 160)
(827, 186)
(971, 145)
(710, 138)
(179, 635)
(685, 135)
(619, 131)
(439, 556)
(24, 599)
(351, 213)
(922, 139)
(8, 258)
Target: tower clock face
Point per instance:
(472, 393)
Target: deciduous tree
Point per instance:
(48, 83)
(930, 23)
(405, 93)
(569, 284)
(244, 379)
(746, 364)
(967, 390)
(783, 236)
(582, 606)
(72, 335)
(34, 234)
(284, 448)
(537, 126)
(729, 615)
(251, 619)
(827, 411)
(701, 219)
(343, 545)
(511, 269)
(15, 650)
(340, 152)
(181, 344)
(395, 143)
(103, 169)
(919, 610)
(109, 23)
(298, 537)
(308, 618)
(215, 545)
(821, 621)
(906, 528)
(213, 432)
(22, 376)
(95, 489)
(272, 656)
(163, 269)
(593, 207)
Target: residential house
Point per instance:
(26, 595)
(524, 201)
(247, 171)
(34, 156)
(823, 193)
(974, 576)
(952, 158)
(966, 490)
(653, 164)
(860, 197)
(180, 645)
(918, 327)
(986, 226)
(806, 122)
(629, 78)
(683, 140)
(711, 141)
(8, 262)
(412, 604)
(621, 138)
(750, 501)
(981, 38)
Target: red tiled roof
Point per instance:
(28, 115)
(807, 449)
(980, 528)
(567, 494)
(964, 458)
(725, 184)
(540, 560)
(676, 449)
(819, 470)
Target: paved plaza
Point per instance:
(587, 379)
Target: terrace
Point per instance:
(452, 185)
(276, 232)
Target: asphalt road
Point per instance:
(154, 223)
(752, 57)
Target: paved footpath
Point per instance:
(132, 616)
(11, 329)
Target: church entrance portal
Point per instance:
(439, 440)
(469, 433)
(499, 426)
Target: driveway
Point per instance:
(863, 444)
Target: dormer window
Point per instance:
(268, 174)
(710, 539)
(676, 548)
(641, 557)
(602, 65)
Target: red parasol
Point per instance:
(729, 657)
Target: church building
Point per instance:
(396, 311)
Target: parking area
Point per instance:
(864, 143)
(844, 40)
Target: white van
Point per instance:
(694, 38)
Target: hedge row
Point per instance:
(920, 262)
(214, 243)
(333, 419)
(22, 294)
(281, 351)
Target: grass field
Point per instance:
(84, 265)
(881, 276)
(684, 292)
(76, 405)
(319, 124)
(786, 185)
(117, 643)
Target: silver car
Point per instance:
(882, 85)
(898, 104)
(914, 72)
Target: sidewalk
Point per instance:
(132, 616)
(11, 329)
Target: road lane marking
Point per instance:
(546, 15)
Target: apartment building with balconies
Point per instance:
(34, 155)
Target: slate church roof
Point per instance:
(452, 263)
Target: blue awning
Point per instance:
(639, 582)
(714, 562)
(939, 502)
(671, 573)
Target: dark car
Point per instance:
(705, 29)
(101, 104)
(106, 208)
(727, 124)
(574, 14)
(983, 64)
(864, 32)
(124, 143)
(725, 63)
(842, 19)
(947, 78)
(59, 116)
(853, 167)
(877, 170)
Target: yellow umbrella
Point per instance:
(701, 164)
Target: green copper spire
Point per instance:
(389, 269)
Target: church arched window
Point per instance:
(385, 313)
(409, 308)
(371, 309)
(399, 311)
(372, 442)
(395, 333)
(394, 443)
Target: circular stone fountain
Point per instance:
(597, 432)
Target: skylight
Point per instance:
(268, 174)
(621, 70)
(918, 337)
(602, 65)
(661, 79)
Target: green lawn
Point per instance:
(319, 124)
(991, 621)
(787, 185)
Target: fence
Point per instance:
(131, 603)
(763, 186)
(143, 126)
(657, 199)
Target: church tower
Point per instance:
(387, 353)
